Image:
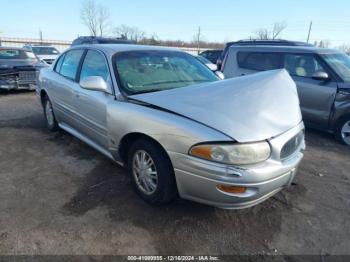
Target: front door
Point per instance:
(91, 106)
(316, 96)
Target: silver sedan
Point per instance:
(177, 128)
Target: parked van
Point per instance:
(322, 77)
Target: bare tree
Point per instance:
(265, 33)
(152, 40)
(103, 19)
(345, 48)
(262, 34)
(323, 43)
(129, 32)
(277, 29)
(95, 17)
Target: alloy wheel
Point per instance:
(345, 132)
(49, 113)
(145, 172)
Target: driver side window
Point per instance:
(95, 65)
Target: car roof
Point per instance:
(289, 49)
(117, 48)
(13, 48)
(43, 46)
(274, 42)
(101, 40)
(213, 50)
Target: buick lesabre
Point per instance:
(177, 128)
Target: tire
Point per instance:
(342, 130)
(50, 118)
(159, 177)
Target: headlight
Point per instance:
(236, 154)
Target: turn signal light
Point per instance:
(232, 189)
(202, 152)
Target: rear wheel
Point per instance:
(343, 131)
(51, 122)
(152, 173)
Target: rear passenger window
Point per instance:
(59, 63)
(302, 65)
(94, 65)
(70, 63)
(259, 61)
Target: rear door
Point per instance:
(316, 96)
(92, 105)
(62, 85)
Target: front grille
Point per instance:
(8, 77)
(292, 145)
(27, 76)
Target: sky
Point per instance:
(220, 21)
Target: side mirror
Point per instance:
(213, 67)
(220, 75)
(95, 83)
(320, 75)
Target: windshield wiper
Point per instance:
(174, 82)
(163, 89)
(147, 91)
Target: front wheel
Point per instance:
(51, 122)
(343, 131)
(152, 173)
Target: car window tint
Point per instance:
(70, 63)
(259, 61)
(302, 65)
(59, 64)
(94, 65)
(211, 55)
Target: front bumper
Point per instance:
(17, 86)
(197, 179)
(18, 80)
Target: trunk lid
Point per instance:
(248, 108)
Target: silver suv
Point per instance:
(322, 77)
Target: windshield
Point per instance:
(45, 50)
(17, 54)
(151, 71)
(340, 63)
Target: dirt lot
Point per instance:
(59, 196)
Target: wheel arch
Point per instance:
(340, 119)
(43, 94)
(338, 126)
(130, 138)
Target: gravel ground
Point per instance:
(59, 196)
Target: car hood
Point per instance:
(12, 63)
(47, 56)
(248, 108)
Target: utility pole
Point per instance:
(198, 39)
(41, 36)
(308, 35)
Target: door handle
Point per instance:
(76, 94)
